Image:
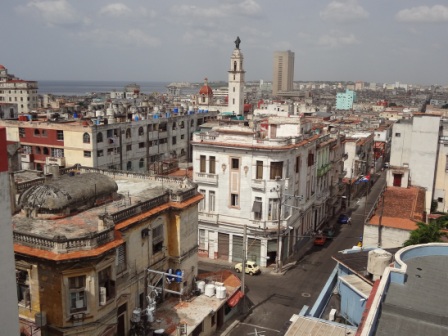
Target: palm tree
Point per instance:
(428, 233)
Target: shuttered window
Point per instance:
(120, 259)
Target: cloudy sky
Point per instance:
(187, 40)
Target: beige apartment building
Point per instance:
(283, 75)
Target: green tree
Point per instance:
(428, 233)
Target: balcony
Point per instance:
(60, 161)
(206, 178)
(258, 184)
(27, 157)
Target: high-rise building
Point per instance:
(283, 76)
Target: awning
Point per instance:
(235, 298)
(256, 207)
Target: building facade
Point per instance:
(236, 83)
(283, 72)
(345, 100)
(17, 91)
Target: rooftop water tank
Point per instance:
(180, 273)
(221, 292)
(209, 290)
(377, 262)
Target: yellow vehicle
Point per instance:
(251, 268)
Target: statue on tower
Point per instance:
(237, 42)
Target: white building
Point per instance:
(414, 153)
(21, 92)
(9, 318)
(236, 82)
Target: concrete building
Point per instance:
(414, 153)
(111, 141)
(108, 252)
(283, 72)
(272, 181)
(22, 93)
(345, 100)
(9, 321)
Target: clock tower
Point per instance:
(236, 81)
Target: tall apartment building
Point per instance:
(345, 100)
(283, 76)
(22, 93)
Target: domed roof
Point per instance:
(205, 89)
(67, 192)
(2, 67)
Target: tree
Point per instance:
(428, 233)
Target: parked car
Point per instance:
(328, 232)
(320, 240)
(251, 268)
(343, 219)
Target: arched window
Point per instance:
(129, 165)
(234, 66)
(140, 131)
(38, 150)
(203, 99)
(99, 137)
(46, 151)
(86, 138)
(182, 152)
(36, 132)
(141, 163)
(128, 133)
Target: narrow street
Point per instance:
(273, 298)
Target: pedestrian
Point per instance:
(349, 221)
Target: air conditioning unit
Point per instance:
(60, 161)
(27, 157)
(103, 293)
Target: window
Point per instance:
(77, 293)
(128, 147)
(202, 160)
(273, 209)
(86, 138)
(57, 152)
(129, 165)
(99, 137)
(182, 136)
(234, 201)
(201, 206)
(310, 159)
(23, 288)
(44, 133)
(257, 208)
(150, 128)
(36, 132)
(259, 170)
(174, 140)
(141, 145)
(120, 258)
(128, 133)
(235, 163)
(140, 131)
(21, 132)
(212, 165)
(106, 285)
(211, 201)
(157, 239)
(201, 239)
(87, 154)
(297, 164)
(141, 163)
(440, 199)
(182, 124)
(276, 170)
(37, 150)
(46, 151)
(397, 135)
(110, 151)
(100, 153)
(60, 135)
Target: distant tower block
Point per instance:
(283, 76)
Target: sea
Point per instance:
(82, 88)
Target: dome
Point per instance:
(68, 192)
(205, 89)
(2, 67)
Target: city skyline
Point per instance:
(341, 40)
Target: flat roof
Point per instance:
(309, 326)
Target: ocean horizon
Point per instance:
(81, 88)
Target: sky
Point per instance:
(382, 41)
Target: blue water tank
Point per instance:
(206, 111)
(180, 273)
(156, 116)
(136, 118)
(176, 110)
(75, 115)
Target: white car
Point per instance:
(251, 268)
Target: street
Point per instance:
(273, 298)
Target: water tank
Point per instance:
(201, 286)
(75, 115)
(209, 290)
(176, 110)
(180, 273)
(221, 292)
(377, 262)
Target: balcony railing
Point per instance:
(258, 184)
(206, 178)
